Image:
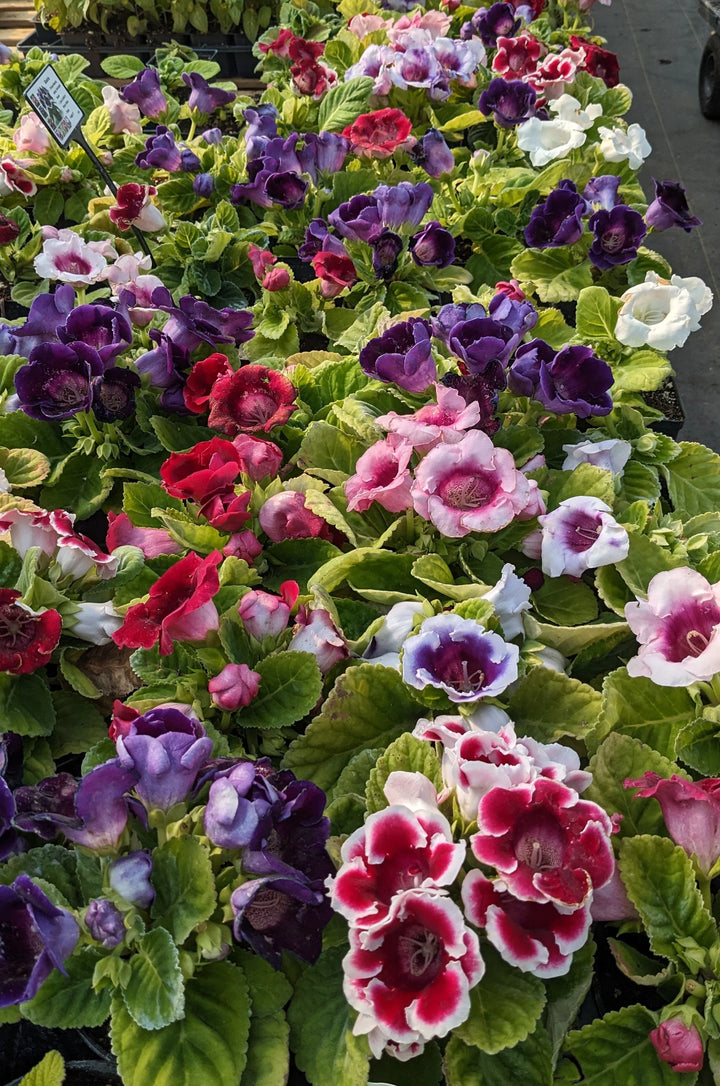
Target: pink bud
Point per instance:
(244, 545)
(679, 1045)
(236, 685)
(263, 614)
(276, 279)
(316, 632)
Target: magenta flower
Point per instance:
(581, 534)
(678, 629)
(236, 685)
(679, 1044)
(285, 516)
(691, 810)
(382, 475)
(459, 656)
(472, 486)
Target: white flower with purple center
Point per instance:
(581, 534)
(678, 628)
(458, 655)
(611, 455)
(66, 257)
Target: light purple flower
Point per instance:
(611, 455)
(358, 219)
(404, 204)
(105, 922)
(581, 534)
(458, 655)
(602, 192)
(432, 153)
(145, 93)
(129, 876)
(165, 749)
(236, 806)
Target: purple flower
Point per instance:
(270, 187)
(358, 219)
(165, 749)
(166, 363)
(459, 656)
(107, 330)
(47, 313)
(56, 383)
(520, 316)
(204, 185)
(670, 208)
(261, 127)
(204, 98)
(323, 153)
(36, 937)
(558, 220)
(212, 136)
(404, 204)
(581, 533)
(498, 21)
(162, 153)
(315, 237)
(113, 394)
(524, 374)
(510, 103)
(485, 346)
(474, 388)
(401, 354)
(433, 247)
(105, 923)
(602, 192)
(575, 381)
(280, 155)
(386, 250)
(193, 322)
(450, 315)
(433, 154)
(145, 93)
(236, 805)
(278, 913)
(129, 876)
(8, 836)
(618, 233)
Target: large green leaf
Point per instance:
(570, 640)
(596, 314)
(184, 886)
(644, 560)
(617, 1051)
(206, 1047)
(408, 755)
(566, 602)
(154, 996)
(69, 1002)
(297, 560)
(693, 480)
(343, 104)
(548, 704)
(290, 685)
(268, 1054)
(521, 996)
(529, 1062)
(25, 704)
(697, 743)
(368, 707)
(637, 707)
(82, 486)
(556, 274)
(326, 448)
(49, 1072)
(643, 371)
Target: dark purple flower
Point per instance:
(165, 749)
(498, 21)
(450, 315)
(56, 383)
(145, 93)
(357, 219)
(107, 330)
(433, 154)
(162, 153)
(193, 322)
(113, 394)
(510, 103)
(35, 938)
(402, 355)
(166, 363)
(433, 247)
(315, 237)
(204, 185)
(105, 923)
(203, 97)
(281, 156)
(129, 876)
(524, 375)
(558, 220)
(618, 233)
(261, 127)
(602, 192)
(474, 388)
(576, 381)
(386, 250)
(270, 187)
(670, 208)
(8, 836)
(485, 346)
(277, 913)
(47, 313)
(404, 204)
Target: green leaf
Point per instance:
(548, 704)
(368, 707)
(139, 499)
(643, 371)
(596, 314)
(566, 602)
(184, 884)
(361, 329)
(290, 685)
(570, 640)
(565, 996)
(122, 67)
(693, 480)
(19, 431)
(621, 758)
(69, 1002)
(555, 273)
(637, 707)
(154, 996)
(178, 436)
(406, 754)
(49, 1072)
(529, 1063)
(206, 1047)
(343, 104)
(644, 560)
(81, 486)
(521, 996)
(25, 704)
(24, 467)
(268, 1055)
(54, 865)
(297, 560)
(434, 571)
(326, 447)
(585, 479)
(48, 205)
(617, 1051)
(320, 1029)
(79, 724)
(202, 538)
(697, 743)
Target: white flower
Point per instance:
(71, 260)
(617, 145)
(95, 622)
(612, 455)
(5, 487)
(547, 140)
(510, 597)
(581, 534)
(385, 645)
(662, 314)
(569, 109)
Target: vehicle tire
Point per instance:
(709, 79)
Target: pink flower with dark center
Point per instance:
(691, 810)
(410, 975)
(71, 260)
(252, 398)
(473, 486)
(581, 534)
(537, 938)
(547, 844)
(447, 420)
(382, 475)
(678, 629)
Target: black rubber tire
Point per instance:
(709, 79)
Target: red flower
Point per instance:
(280, 47)
(598, 62)
(227, 512)
(179, 608)
(27, 638)
(202, 377)
(299, 49)
(208, 469)
(335, 272)
(679, 1044)
(9, 230)
(378, 134)
(312, 78)
(251, 399)
(133, 208)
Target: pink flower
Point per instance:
(265, 615)
(512, 289)
(316, 633)
(556, 70)
(244, 545)
(679, 1044)
(261, 260)
(134, 208)
(235, 686)
(410, 975)
(227, 511)
(285, 516)
(546, 843)
(276, 279)
(151, 541)
(362, 25)
(14, 179)
(678, 628)
(472, 486)
(378, 134)
(124, 116)
(581, 534)
(381, 475)
(445, 421)
(55, 535)
(537, 938)
(517, 57)
(691, 810)
(32, 135)
(68, 258)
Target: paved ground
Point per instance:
(659, 44)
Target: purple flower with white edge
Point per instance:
(386, 250)
(358, 219)
(510, 596)
(602, 192)
(458, 59)
(65, 256)
(56, 383)
(611, 455)
(509, 102)
(204, 98)
(37, 937)
(433, 155)
(113, 394)
(576, 381)
(433, 247)
(678, 629)
(129, 876)
(417, 66)
(376, 62)
(145, 93)
(106, 329)
(618, 234)
(404, 204)
(401, 355)
(165, 749)
(459, 656)
(581, 534)
(280, 913)
(558, 220)
(670, 208)
(105, 923)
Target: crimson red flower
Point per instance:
(378, 134)
(598, 62)
(335, 272)
(133, 208)
(281, 46)
(312, 78)
(27, 638)
(203, 376)
(251, 399)
(9, 230)
(179, 608)
(227, 512)
(208, 469)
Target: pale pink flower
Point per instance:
(581, 534)
(556, 70)
(151, 541)
(316, 633)
(436, 23)
(235, 687)
(32, 135)
(124, 116)
(69, 259)
(447, 420)
(362, 25)
(382, 475)
(266, 615)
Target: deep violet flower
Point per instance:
(162, 153)
(315, 236)
(576, 380)
(402, 355)
(492, 23)
(57, 382)
(459, 656)
(204, 185)
(261, 126)
(557, 220)
(485, 346)
(323, 153)
(193, 322)
(670, 208)
(165, 749)
(618, 234)
(433, 247)
(451, 314)
(509, 102)
(386, 250)
(106, 329)
(47, 313)
(357, 219)
(145, 93)
(204, 98)
(433, 155)
(37, 938)
(267, 186)
(278, 913)
(113, 394)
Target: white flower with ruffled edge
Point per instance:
(547, 140)
(617, 144)
(662, 313)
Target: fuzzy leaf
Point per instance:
(693, 480)
(24, 467)
(548, 705)
(529, 1063)
(81, 487)
(343, 104)
(49, 1072)
(185, 886)
(69, 1002)
(25, 704)
(290, 685)
(637, 707)
(154, 996)
(521, 996)
(566, 994)
(268, 1054)
(596, 314)
(566, 602)
(697, 743)
(555, 273)
(644, 560)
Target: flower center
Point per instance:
(461, 678)
(463, 491)
(540, 841)
(257, 408)
(17, 627)
(418, 956)
(697, 642)
(612, 240)
(267, 909)
(72, 264)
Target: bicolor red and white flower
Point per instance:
(134, 207)
(14, 179)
